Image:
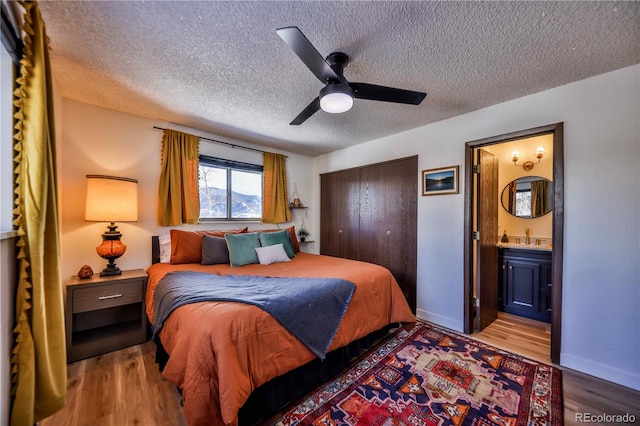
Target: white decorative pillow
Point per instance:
(165, 248)
(272, 254)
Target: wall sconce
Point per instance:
(527, 165)
(111, 199)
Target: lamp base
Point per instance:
(110, 270)
(111, 249)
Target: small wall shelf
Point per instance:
(304, 208)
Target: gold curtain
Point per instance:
(178, 193)
(38, 359)
(539, 198)
(275, 199)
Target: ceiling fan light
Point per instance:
(336, 99)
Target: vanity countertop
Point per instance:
(541, 247)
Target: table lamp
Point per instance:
(111, 199)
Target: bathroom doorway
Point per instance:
(483, 225)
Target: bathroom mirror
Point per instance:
(528, 197)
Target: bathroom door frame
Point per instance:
(557, 130)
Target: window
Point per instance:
(229, 190)
(11, 53)
(523, 202)
(6, 144)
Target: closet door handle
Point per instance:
(339, 231)
(388, 232)
(510, 268)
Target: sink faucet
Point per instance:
(527, 239)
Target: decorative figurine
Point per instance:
(85, 272)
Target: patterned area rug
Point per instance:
(424, 375)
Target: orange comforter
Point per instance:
(221, 351)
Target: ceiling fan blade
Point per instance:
(307, 53)
(311, 109)
(386, 94)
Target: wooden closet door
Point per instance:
(373, 214)
(339, 217)
(388, 220)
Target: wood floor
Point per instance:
(125, 388)
(582, 393)
(519, 335)
(120, 388)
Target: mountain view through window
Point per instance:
(226, 193)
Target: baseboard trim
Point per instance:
(605, 372)
(440, 320)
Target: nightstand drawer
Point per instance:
(106, 296)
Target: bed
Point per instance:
(235, 363)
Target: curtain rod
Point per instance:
(232, 145)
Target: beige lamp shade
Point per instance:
(111, 199)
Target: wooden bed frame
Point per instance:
(276, 394)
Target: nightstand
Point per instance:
(105, 313)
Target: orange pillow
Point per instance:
(292, 234)
(186, 246)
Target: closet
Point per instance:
(369, 213)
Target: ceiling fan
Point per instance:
(338, 94)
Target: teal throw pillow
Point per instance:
(279, 237)
(242, 248)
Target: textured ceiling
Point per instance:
(220, 66)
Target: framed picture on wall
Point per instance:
(440, 181)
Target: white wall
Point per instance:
(601, 281)
(101, 141)
(8, 278)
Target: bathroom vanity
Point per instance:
(525, 281)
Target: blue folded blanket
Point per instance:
(310, 308)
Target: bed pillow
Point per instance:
(214, 250)
(279, 237)
(186, 246)
(242, 248)
(292, 236)
(164, 241)
(272, 254)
